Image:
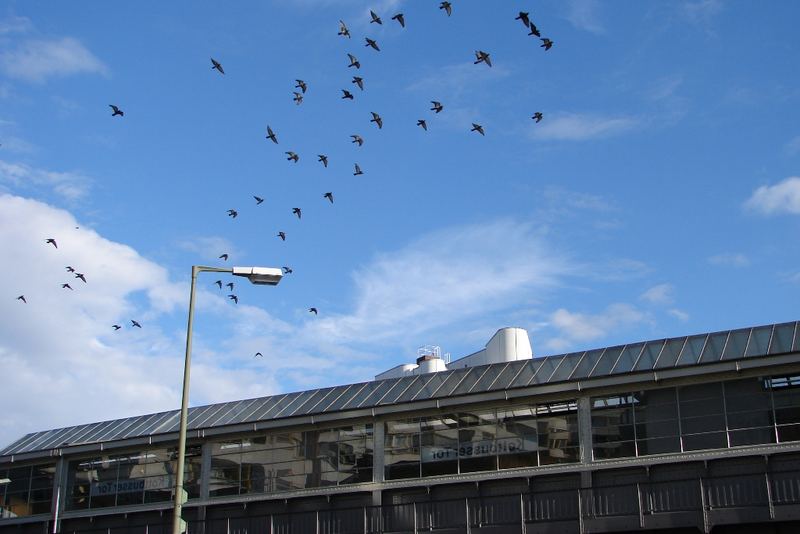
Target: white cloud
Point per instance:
(456, 80)
(793, 146)
(578, 127)
(69, 185)
(38, 59)
(658, 294)
(783, 197)
(18, 145)
(581, 328)
(583, 14)
(14, 24)
(700, 11)
(210, 247)
(678, 314)
(731, 259)
(561, 197)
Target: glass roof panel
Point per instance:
(796, 346)
(264, 407)
(509, 373)
(527, 373)
(470, 380)
(415, 387)
(310, 404)
(52, 440)
(295, 403)
(399, 387)
(281, 405)
(714, 347)
(737, 342)
(338, 397)
(237, 412)
(648, 357)
(433, 384)
(586, 364)
(356, 399)
(670, 352)
(692, 350)
(782, 338)
(377, 393)
(211, 415)
(566, 367)
(759, 341)
(607, 361)
(546, 369)
(452, 381)
(491, 374)
(628, 358)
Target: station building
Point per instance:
(699, 433)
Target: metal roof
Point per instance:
(694, 350)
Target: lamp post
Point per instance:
(257, 275)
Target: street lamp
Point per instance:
(257, 275)
(5, 481)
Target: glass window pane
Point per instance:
(759, 341)
(488, 378)
(527, 373)
(469, 381)
(649, 355)
(566, 367)
(453, 378)
(796, 346)
(411, 389)
(427, 391)
(546, 369)
(715, 440)
(607, 361)
(509, 373)
(628, 357)
(670, 353)
(692, 349)
(587, 364)
(737, 342)
(658, 445)
(714, 347)
(782, 338)
(613, 449)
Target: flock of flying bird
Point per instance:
(298, 96)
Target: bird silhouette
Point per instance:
(313, 310)
(135, 323)
(372, 43)
(216, 65)
(258, 355)
(329, 196)
(292, 156)
(538, 116)
(448, 8)
(301, 85)
(282, 235)
(259, 200)
(234, 298)
(66, 286)
(22, 298)
(421, 122)
(376, 119)
(534, 30)
(354, 61)
(357, 170)
(52, 242)
(401, 19)
(375, 17)
(223, 257)
(359, 82)
(524, 17)
(477, 128)
(229, 285)
(233, 214)
(70, 269)
(81, 276)
(116, 326)
(297, 212)
(287, 270)
(547, 44)
(219, 283)
(343, 31)
(322, 158)
(347, 94)
(116, 111)
(437, 106)
(271, 135)
(298, 98)
(357, 139)
(482, 57)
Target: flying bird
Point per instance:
(372, 43)
(524, 17)
(437, 106)
(223, 257)
(448, 8)
(354, 61)
(477, 128)
(322, 158)
(217, 65)
(298, 98)
(287, 270)
(258, 355)
(313, 310)
(116, 326)
(357, 139)
(135, 323)
(66, 286)
(70, 269)
(357, 170)
(282, 235)
(401, 19)
(229, 285)
(301, 85)
(81, 277)
(234, 298)
(482, 56)
(376, 119)
(421, 122)
(116, 111)
(292, 156)
(359, 82)
(297, 212)
(343, 29)
(22, 298)
(537, 116)
(52, 242)
(233, 213)
(271, 135)
(259, 200)
(547, 44)
(329, 196)
(219, 283)
(375, 17)
(347, 94)
(534, 30)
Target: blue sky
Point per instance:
(659, 196)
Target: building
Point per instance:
(692, 434)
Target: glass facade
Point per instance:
(133, 478)
(704, 416)
(28, 491)
(485, 440)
